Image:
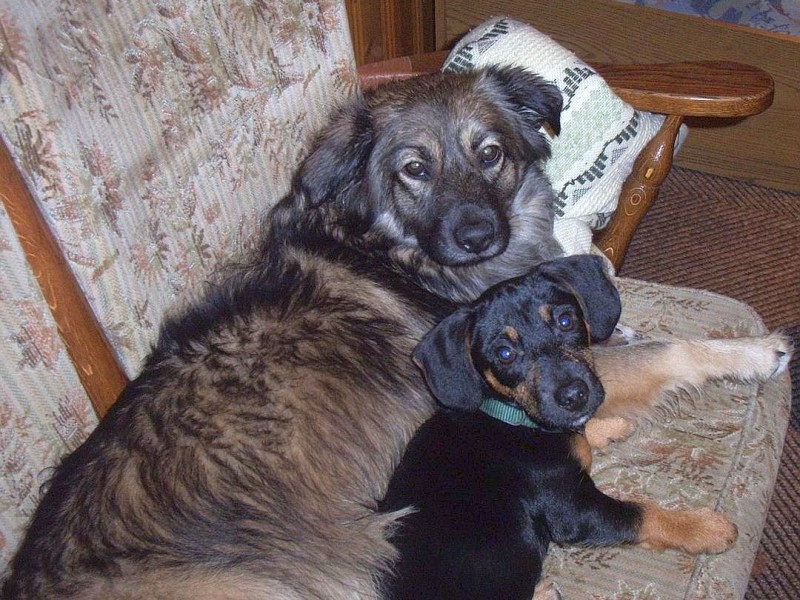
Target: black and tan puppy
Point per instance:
(502, 471)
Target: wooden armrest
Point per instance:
(693, 89)
(94, 358)
(689, 89)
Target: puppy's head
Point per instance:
(436, 164)
(526, 341)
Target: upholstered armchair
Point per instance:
(140, 144)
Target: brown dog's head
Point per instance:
(441, 172)
(526, 341)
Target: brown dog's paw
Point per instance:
(754, 358)
(546, 590)
(783, 348)
(699, 531)
(600, 432)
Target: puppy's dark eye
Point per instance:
(566, 321)
(490, 154)
(415, 169)
(506, 355)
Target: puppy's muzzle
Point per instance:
(568, 391)
(573, 396)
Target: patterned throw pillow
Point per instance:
(601, 135)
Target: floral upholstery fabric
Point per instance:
(155, 134)
(718, 447)
(44, 411)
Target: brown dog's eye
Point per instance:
(490, 154)
(506, 355)
(415, 169)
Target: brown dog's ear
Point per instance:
(444, 357)
(338, 160)
(584, 276)
(533, 98)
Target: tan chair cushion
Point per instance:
(718, 447)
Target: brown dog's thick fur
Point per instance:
(247, 458)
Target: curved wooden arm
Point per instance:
(693, 89)
(91, 353)
(639, 191)
(719, 89)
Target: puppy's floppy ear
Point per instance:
(536, 100)
(338, 159)
(444, 357)
(584, 276)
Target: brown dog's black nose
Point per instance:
(474, 235)
(573, 396)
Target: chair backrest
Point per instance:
(151, 137)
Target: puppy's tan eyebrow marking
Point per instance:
(501, 389)
(546, 312)
(511, 333)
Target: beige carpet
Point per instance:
(743, 241)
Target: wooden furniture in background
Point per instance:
(763, 149)
(383, 29)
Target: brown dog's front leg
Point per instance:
(694, 531)
(637, 376)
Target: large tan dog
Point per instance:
(247, 459)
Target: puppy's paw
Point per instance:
(699, 531)
(546, 590)
(713, 532)
(600, 432)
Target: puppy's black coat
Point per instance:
(490, 496)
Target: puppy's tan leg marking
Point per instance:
(602, 431)
(546, 590)
(694, 531)
(636, 376)
(582, 451)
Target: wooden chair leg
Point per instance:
(639, 191)
(95, 360)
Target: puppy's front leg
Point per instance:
(546, 590)
(637, 376)
(596, 519)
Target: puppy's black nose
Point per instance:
(474, 235)
(573, 395)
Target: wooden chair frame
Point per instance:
(678, 90)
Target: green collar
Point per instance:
(509, 413)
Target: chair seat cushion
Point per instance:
(718, 447)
